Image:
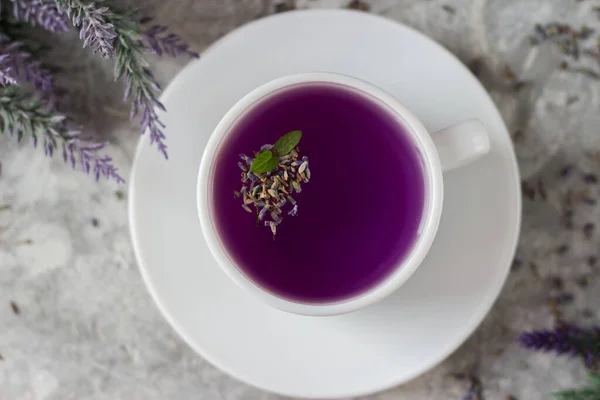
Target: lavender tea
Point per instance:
(342, 224)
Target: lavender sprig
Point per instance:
(22, 66)
(21, 114)
(44, 13)
(94, 28)
(160, 42)
(120, 28)
(566, 339)
(141, 86)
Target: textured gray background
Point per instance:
(87, 328)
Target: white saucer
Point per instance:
(354, 354)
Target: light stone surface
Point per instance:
(87, 328)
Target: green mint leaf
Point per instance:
(265, 161)
(286, 143)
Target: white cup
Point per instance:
(446, 149)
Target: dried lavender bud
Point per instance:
(588, 230)
(360, 5)
(590, 178)
(564, 298)
(449, 9)
(565, 171)
(283, 6)
(15, 308)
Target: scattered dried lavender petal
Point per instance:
(588, 230)
(358, 5)
(562, 249)
(518, 135)
(566, 171)
(556, 283)
(572, 99)
(528, 190)
(15, 308)
(590, 178)
(476, 66)
(516, 264)
(284, 6)
(563, 298)
(585, 32)
(449, 9)
(95, 222)
(590, 201)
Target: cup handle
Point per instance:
(461, 144)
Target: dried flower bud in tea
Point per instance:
(271, 177)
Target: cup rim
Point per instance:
(402, 271)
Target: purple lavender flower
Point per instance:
(160, 42)
(566, 339)
(94, 29)
(40, 12)
(143, 88)
(22, 67)
(150, 122)
(24, 114)
(87, 150)
(6, 73)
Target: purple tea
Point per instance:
(359, 215)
